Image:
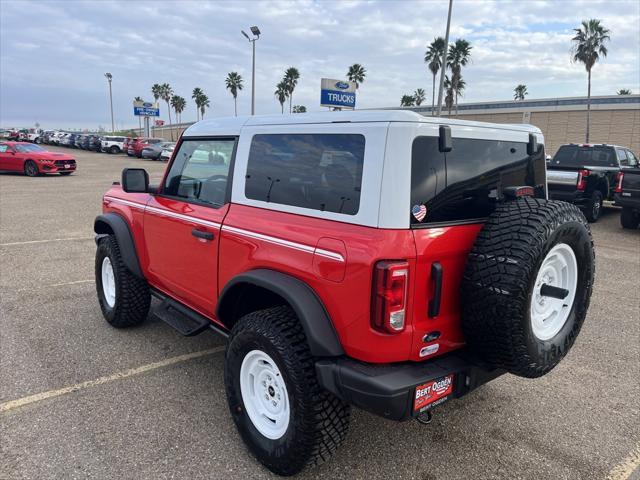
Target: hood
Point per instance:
(53, 155)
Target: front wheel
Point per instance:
(124, 298)
(114, 150)
(31, 169)
(283, 415)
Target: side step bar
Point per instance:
(185, 320)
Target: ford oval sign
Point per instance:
(342, 85)
(147, 105)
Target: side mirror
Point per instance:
(532, 146)
(445, 143)
(135, 180)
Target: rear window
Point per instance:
(465, 183)
(316, 171)
(584, 156)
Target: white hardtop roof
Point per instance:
(233, 125)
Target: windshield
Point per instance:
(580, 156)
(29, 148)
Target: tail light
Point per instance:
(389, 295)
(582, 182)
(619, 180)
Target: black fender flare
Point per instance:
(113, 223)
(322, 337)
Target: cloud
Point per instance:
(53, 58)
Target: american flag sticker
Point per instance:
(419, 212)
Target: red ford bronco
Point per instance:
(377, 259)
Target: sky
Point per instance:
(53, 54)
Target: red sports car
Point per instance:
(34, 160)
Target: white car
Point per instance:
(166, 153)
(111, 144)
(34, 135)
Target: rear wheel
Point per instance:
(629, 218)
(114, 150)
(527, 285)
(283, 415)
(30, 168)
(593, 210)
(124, 298)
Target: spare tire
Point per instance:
(527, 285)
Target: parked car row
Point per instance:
(141, 147)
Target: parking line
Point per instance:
(21, 402)
(625, 469)
(29, 242)
(70, 283)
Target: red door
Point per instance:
(182, 224)
(11, 159)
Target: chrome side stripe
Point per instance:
(238, 231)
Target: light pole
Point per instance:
(109, 78)
(256, 35)
(444, 59)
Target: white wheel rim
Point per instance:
(558, 269)
(108, 282)
(264, 394)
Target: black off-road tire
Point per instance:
(499, 281)
(629, 218)
(318, 421)
(593, 210)
(31, 169)
(133, 297)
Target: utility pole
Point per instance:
(444, 59)
(109, 78)
(256, 35)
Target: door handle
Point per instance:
(202, 234)
(436, 277)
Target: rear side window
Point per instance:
(316, 171)
(633, 161)
(465, 183)
(578, 156)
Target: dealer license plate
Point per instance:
(432, 393)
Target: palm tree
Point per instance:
(155, 91)
(204, 104)
(178, 103)
(299, 109)
(458, 56)
(520, 92)
(589, 45)
(624, 91)
(234, 85)
(433, 59)
(139, 99)
(196, 95)
(419, 96)
(166, 92)
(356, 74)
(448, 88)
(291, 77)
(407, 101)
(281, 94)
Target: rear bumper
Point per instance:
(574, 196)
(390, 390)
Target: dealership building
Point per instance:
(615, 119)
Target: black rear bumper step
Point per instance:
(390, 390)
(186, 321)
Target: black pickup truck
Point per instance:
(587, 174)
(627, 196)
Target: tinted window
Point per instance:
(29, 148)
(633, 161)
(579, 156)
(317, 171)
(200, 171)
(465, 183)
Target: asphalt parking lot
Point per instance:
(79, 399)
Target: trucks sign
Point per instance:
(146, 109)
(337, 93)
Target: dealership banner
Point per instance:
(337, 93)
